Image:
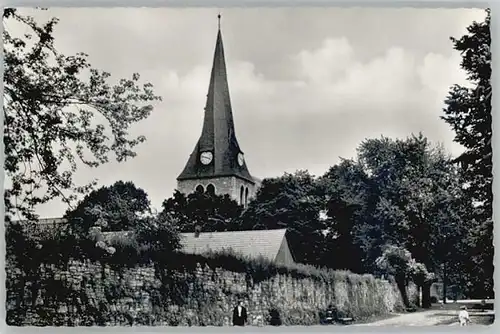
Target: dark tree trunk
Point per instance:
(444, 283)
(400, 281)
(426, 295)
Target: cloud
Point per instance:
(438, 71)
(303, 95)
(326, 63)
(334, 104)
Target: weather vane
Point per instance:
(218, 17)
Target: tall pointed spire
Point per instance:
(217, 152)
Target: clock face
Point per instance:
(206, 158)
(241, 159)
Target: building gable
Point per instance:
(252, 244)
(285, 255)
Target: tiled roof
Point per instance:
(253, 243)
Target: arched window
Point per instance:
(200, 189)
(241, 195)
(211, 189)
(246, 197)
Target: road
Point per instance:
(422, 318)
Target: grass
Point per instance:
(450, 309)
(472, 308)
(475, 320)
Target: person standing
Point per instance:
(239, 315)
(463, 316)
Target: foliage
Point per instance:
(118, 207)
(22, 249)
(397, 262)
(158, 237)
(176, 273)
(468, 112)
(274, 317)
(420, 274)
(91, 307)
(423, 280)
(259, 269)
(58, 110)
(394, 166)
(420, 197)
(294, 202)
(211, 212)
(347, 195)
(28, 253)
(404, 192)
(151, 239)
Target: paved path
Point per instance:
(422, 318)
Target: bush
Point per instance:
(261, 269)
(359, 295)
(300, 317)
(411, 308)
(274, 318)
(434, 299)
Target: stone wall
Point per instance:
(223, 185)
(92, 294)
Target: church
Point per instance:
(217, 163)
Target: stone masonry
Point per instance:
(206, 296)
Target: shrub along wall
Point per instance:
(192, 291)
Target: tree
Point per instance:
(384, 161)
(210, 212)
(423, 279)
(415, 201)
(58, 110)
(347, 191)
(294, 202)
(401, 192)
(397, 262)
(158, 237)
(118, 207)
(468, 112)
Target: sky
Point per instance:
(307, 85)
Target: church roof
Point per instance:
(255, 243)
(218, 134)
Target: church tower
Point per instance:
(217, 163)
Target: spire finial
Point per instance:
(218, 17)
